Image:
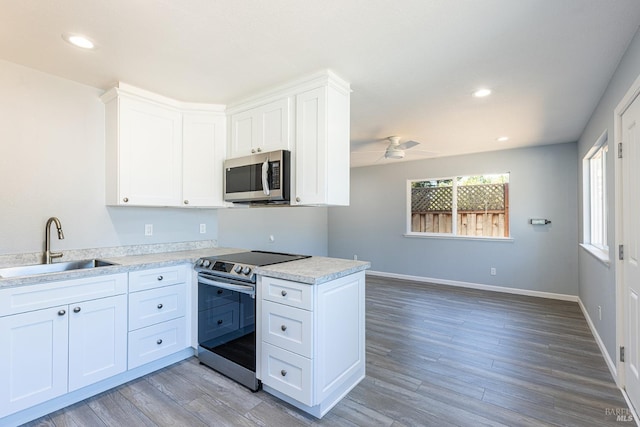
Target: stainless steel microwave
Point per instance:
(259, 178)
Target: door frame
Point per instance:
(625, 102)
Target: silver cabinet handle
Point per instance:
(159, 341)
(160, 306)
(126, 199)
(298, 199)
(253, 150)
(219, 322)
(186, 202)
(76, 310)
(62, 312)
(283, 373)
(160, 278)
(283, 327)
(283, 293)
(259, 150)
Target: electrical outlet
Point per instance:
(493, 271)
(203, 228)
(355, 257)
(599, 313)
(272, 238)
(148, 229)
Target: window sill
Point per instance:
(597, 253)
(454, 237)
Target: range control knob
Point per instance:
(206, 263)
(199, 263)
(246, 271)
(238, 269)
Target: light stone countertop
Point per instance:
(314, 270)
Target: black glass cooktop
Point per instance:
(259, 258)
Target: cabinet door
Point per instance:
(260, 129)
(243, 133)
(274, 130)
(97, 340)
(203, 153)
(150, 159)
(33, 360)
(311, 153)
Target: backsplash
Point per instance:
(77, 254)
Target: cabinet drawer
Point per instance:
(285, 292)
(287, 327)
(287, 372)
(21, 299)
(155, 277)
(156, 305)
(153, 342)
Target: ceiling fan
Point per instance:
(395, 149)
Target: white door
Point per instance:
(33, 359)
(150, 154)
(203, 152)
(631, 239)
(97, 340)
(274, 126)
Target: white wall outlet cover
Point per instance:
(148, 229)
(203, 228)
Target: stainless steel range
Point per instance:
(227, 312)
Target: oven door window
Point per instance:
(226, 324)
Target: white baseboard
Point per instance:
(516, 291)
(603, 349)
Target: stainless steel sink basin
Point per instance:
(30, 270)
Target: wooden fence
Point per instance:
(428, 215)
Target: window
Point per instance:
(479, 204)
(595, 196)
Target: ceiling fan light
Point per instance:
(394, 154)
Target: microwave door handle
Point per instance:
(265, 177)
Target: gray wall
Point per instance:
(300, 230)
(597, 281)
(543, 184)
(52, 163)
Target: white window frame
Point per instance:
(454, 210)
(595, 212)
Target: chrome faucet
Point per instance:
(48, 255)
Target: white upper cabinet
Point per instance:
(259, 129)
(203, 153)
(161, 152)
(310, 117)
(322, 146)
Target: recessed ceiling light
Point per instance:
(481, 93)
(503, 139)
(78, 40)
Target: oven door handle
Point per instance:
(245, 289)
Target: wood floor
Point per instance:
(436, 356)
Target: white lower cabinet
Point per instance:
(157, 308)
(52, 350)
(312, 340)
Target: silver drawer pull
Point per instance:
(159, 341)
(283, 373)
(219, 322)
(76, 310)
(62, 312)
(160, 278)
(283, 293)
(160, 306)
(283, 327)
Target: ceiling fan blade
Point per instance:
(407, 144)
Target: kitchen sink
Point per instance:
(30, 270)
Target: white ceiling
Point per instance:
(412, 64)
